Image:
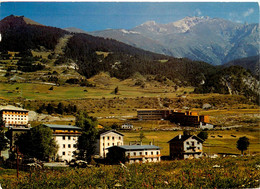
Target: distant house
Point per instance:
(107, 139)
(206, 126)
(127, 126)
(185, 146)
(66, 137)
(136, 153)
(14, 117)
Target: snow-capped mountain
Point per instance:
(212, 40)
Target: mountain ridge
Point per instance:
(213, 40)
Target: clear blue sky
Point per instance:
(91, 16)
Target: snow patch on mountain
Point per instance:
(129, 31)
(188, 22)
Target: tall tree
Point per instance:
(203, 135)
(3, 140)
(242, 144)
(86, 143)
(38, 143)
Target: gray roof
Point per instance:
(69, 127)
(137, 147)
(106, 132)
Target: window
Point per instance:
(192, 143)
(157, 153)
(119, 138)
(68, 137)
(103, 138)
(63, 138)
(128, 154)
(103, 144)
(198, 142)
(108, 138)
(74, 145)
(63, 153)
(151, 153)
(140, 153)
(146, 153)
(108, 144)
(68, 145)
(134, 153)
(64, 146)
(113, 138)
(187, 143)
(113, 144)
(198, 148)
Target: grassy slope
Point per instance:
(241, 172)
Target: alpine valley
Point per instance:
(29, 47)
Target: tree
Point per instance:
(60, 109)
(86, 143)
(3, 141)
(50, 109)
(242, 144)
(141, 136)
(203, 135)
(38, 143)
(116, 90)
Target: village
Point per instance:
(182, 146)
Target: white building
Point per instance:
(186, 146)
(66, 137)
(107, 139)
(127, 126)
(14, 117)
(137, 153)
(206, 126)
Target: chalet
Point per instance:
(136, 153)
(14, 117)
(185, 146)
(107, 139)
(127, 126)
(66, 137)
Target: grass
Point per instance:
(226, 144)
(240, 172)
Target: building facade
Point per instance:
(107, 139)
(186, 146)
(137, 153)
(14, 118)
(153, 114)
(66, 137)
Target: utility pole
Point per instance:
(17, 161)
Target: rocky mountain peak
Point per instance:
(188, 22)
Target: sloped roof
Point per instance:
(184, 138)
(18, 110)
(104, 132)
(68, 127)
(136, 147)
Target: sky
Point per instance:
(93, 16)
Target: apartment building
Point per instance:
(14, 118)
(66, 137)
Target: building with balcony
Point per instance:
(186, 146)
(107, 139)
(66, 137)
(14, 118)
(136, 153)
